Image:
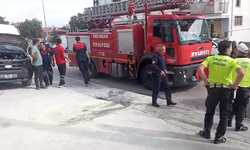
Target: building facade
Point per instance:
(234, 21)
(103, 2)
(231, 17)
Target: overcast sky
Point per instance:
(58, 12)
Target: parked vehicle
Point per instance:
(14, 62)
(124, 50)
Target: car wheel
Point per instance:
(147, 77)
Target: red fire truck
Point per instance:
(124, 50)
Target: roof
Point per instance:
(16, 24)
(8, 29)
(48, 29)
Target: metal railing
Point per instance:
(216, 7)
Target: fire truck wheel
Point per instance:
(92, 70)
(147, 77)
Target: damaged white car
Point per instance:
(15, 65)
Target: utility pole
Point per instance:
(45, 22)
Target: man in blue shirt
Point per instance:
(161, 78)
(82, 58)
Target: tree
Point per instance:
(31, 29)
(3, 21)
(54, 36)
(77, 21)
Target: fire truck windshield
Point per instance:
(192, 31)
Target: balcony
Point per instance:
(216, 7)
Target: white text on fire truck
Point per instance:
(101, 45)
(200, 53)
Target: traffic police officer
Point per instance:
(161, 78)
(220, 88)
(242, 94)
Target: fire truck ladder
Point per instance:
(130, 7)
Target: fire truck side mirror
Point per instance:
(164, 39)
(165, 29)
(183, 23)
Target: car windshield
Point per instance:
(193, 31)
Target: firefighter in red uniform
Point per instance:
(60, 58)
(48, 62)
(82, 58)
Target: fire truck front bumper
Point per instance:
(183, 75)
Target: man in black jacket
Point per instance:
(161, 78)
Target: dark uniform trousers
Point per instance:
(62, 72)
(38, 70)
(84, 68)
(239, 106)
(223, 97)
(161, 82)
(48, 75)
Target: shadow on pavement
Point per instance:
(14, 85)
(122, 84)
(199, 142)
(116, 83)
(124, 135)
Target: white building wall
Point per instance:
(240, 33)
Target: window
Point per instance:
(157, 31)
(238, 20)
(238, 2)
(194, 30)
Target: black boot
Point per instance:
(219, 140)
(205, 134)
(171, 103)
(155, 104)
(43, 86)
(241, 128)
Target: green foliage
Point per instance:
(217, 35)
(3, 21)
(54, 36)
(77, 21)
(31, 29)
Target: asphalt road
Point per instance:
(98, 117)
(192, 95)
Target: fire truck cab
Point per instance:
(187, 42)
(126, 50)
